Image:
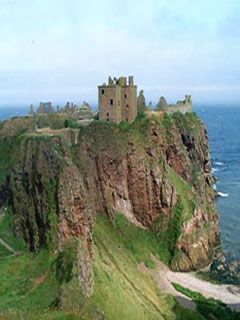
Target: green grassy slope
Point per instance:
(30, 289)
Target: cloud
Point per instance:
(61, 50)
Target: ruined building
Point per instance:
(182, 106)
(117, 100)
(45, 108)
(84, 112)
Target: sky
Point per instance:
(60, 50)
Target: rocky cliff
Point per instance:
(156, 171)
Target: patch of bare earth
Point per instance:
(228, 294)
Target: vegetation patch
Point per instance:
(31, 289)
(185, 191)
(209, 308)
(139, 242)
(167, 230)
(72, 123)
(7, 146)
(6, 233)
(122, 290)
(65, 262)
(188, 122)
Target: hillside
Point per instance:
(85, 214)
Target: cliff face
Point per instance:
(51, 206)
(157, 172)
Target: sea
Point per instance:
(223, 126)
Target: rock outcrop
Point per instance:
(157, 172)
(50, 203)
(141, 102)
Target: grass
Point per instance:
(122, 291)
(6, 225)
(186, 193)
(188, 122)
(30, 287)
(6, 149)
(133, 238)
(209, 308)
(28, 283)
(168, 230)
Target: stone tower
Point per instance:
(117, 101)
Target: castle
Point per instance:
(118, 100)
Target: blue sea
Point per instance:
(8, 112)
(223, 125)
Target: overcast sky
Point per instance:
(62, 49)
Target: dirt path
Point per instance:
(3, 243)
(229, 294)
(165, 285)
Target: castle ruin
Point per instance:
(117, 100)
(45, 108)
(182, 106)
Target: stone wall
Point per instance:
(182, 106)
(109, 98)
(70, 135)
(129, 103)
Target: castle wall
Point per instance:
(183, 108)
(109, 98)
(129, 103)
(70, 135)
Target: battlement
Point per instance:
(117, 100)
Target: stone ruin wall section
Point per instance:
(129, 103)
(107, 111)
(183, 108)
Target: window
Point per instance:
(102, 91)
(126, 119)
(125, 96)
(111, 102)
(107, 114)
(127, 105)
